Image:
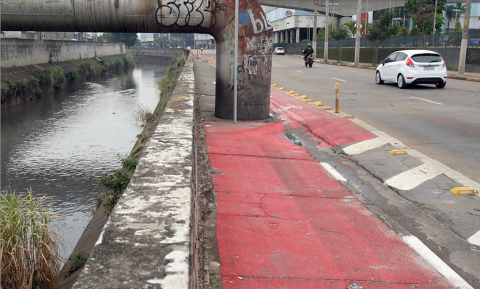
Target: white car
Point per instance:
(407, 67)
(279, 50)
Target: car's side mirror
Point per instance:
(382, 62)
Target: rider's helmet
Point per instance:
(309, 45)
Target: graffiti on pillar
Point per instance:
(243, 18)
(191, 13)
(259, 25)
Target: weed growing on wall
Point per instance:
(30, 243)
(76, 262)
(143, 116)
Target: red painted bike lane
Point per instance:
(284, 222)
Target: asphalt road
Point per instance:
(440, 123)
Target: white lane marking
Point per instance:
(436, 262)
(475, 239)
(412, 178)
(280, 65)
(299, 71)
(449, 172)
(439, 103)
(364, 146)
(353, 71)
(339, 79)
(333, 172)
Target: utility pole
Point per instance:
(314, 36)
(357, 36)
(463, 48)
(327, 22)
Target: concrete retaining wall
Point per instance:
(146, 241)
(20, 52)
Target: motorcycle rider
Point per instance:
(307, 51)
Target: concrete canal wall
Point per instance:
(21, 52)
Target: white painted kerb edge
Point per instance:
(436, 262)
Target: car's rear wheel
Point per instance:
(378, 78)
(401, 82)
(440, 84)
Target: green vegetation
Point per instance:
(143, 116)
(54, 78)
(30, 244)
(128, 162)
(76, 262)
(136, 150)
(167, 83)
(116, 182)
(142, 137)
(128, 38)
(338, 35)
(379, 31)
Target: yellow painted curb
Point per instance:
(327, 108)
(463, 191)
(274, 85)
(281, 88)
(309, 100)
(292, 92)
(398, 152)
(348, 116)
(318, 103)
(304, 97)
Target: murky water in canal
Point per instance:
(59, 146)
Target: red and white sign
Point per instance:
(289, 13)
(359, 26)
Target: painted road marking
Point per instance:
(339, 79)
(333, 172)
(353, 71)
(436, 262)
(412, 178)
(299, 71)
(364, 146)
(475, 239)
(427, 100)
(449, 172)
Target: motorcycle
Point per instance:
(309, 61)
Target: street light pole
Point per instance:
(463, 48)
(434, 23)
(357, 36)
(327, 20)
(314, 34)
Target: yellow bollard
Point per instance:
(291, 92)
(337, 100)
(318, 103)
(274, 85)
(304, 97)
(281, 88)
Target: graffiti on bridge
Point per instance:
(191, 13)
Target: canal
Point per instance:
(59, 146)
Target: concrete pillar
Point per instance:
(297, 34)
(314, 36)
(291, 35)
(281, 36)
(463, 48)
(357, 35)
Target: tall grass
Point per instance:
(30, 250)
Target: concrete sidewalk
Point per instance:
(285, 219)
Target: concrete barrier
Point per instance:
(146, 243)
(20, 52)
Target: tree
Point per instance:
(321, 34)
(128, 38)
(351, 27)
(402, 31)
(379, 31)
(422, 16)
(163, 40)
(414, 31)
(339, 35)
(455, 38)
